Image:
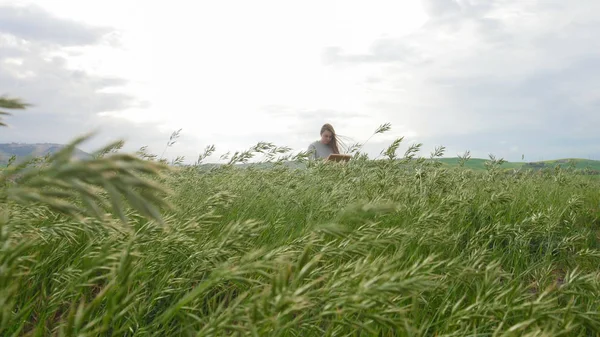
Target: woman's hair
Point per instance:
(334, 140)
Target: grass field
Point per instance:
(385, 248)
(124, 245)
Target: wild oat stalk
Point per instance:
(111, 148)
(145, 155)
(355, 148)
(208, 151)
(65, 180)
(172, 140)
(11, 104)
(62, 180)
(390, 152)
(462, 159)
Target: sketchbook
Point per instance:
(339, 157)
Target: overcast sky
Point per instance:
(506, 77)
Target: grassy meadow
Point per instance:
(126, 245)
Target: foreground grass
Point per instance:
(369, 248)
(384, 248)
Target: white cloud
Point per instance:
(461, 73)
(506, 68)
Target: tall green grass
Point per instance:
(125, 245)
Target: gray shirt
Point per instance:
(319, 150)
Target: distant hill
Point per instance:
(22, 150)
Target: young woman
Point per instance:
(328, 144)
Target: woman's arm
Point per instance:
(312, 151)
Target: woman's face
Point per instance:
(326, 137)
